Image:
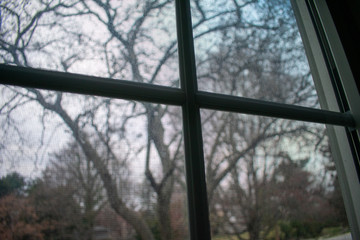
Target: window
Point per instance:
(333, 77)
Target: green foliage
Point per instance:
(154, 227)
(11, 183)
(301, 229)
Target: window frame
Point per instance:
(337, 91)
(342, 124)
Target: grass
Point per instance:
(325, 233)
(229, 237)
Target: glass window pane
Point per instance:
(251, 49)
(82, 167)
(270, 179)
(129, 40)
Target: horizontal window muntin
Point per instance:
(121, 89)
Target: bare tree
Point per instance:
(125, 33)
(71, 169)
(136, 40)
(260, 59)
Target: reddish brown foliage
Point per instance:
(18, 219)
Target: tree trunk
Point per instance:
(132, 217)
(253, 228)
(163, 210)
(164, 189)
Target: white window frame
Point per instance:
(346, 160)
